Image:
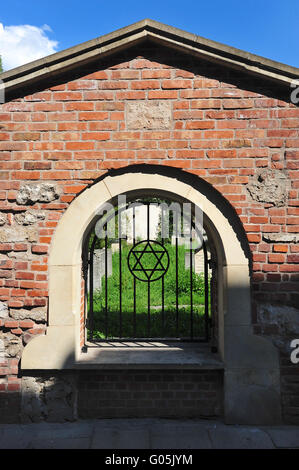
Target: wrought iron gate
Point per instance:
(147, 288)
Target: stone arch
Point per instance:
(251, 363)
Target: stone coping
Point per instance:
(92, 50)
(147, 433)
(148, 355)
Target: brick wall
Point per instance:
(136, 394)
(233, 131)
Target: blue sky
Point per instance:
(265, 27)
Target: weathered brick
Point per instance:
(220, 132)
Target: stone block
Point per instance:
(13, 344)
(29, 217)
(281, 237)
(148, 115)
(245, 350)
(38, 314)
(252, 396)
(3, 310)
(236, 438)
(284, 437)
(31, 193)
(68, 443)
(49, 399)
(15, 234)
(270, 186)
(180, 437)
(117, 438)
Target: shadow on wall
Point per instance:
(68, 395)
(44, 396)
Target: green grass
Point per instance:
(143, 330)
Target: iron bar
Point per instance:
(141, 264)
(120, 275)
(177, 272)
(85, 277)
(134, 286)
(106, 282)
(135, 339)
(162, 241)
(148, 288)
(191, 280)
(206, 277)
(91, 311)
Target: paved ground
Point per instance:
(146, 434)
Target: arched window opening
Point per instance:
(149, 273)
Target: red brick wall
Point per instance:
(226, 126)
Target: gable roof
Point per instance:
(82, 54)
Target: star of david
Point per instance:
(148, 260)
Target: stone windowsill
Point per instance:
(149, 355)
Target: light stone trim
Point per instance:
(239, 348)
(125, 37)
(155, 114)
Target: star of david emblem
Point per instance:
(148, 260)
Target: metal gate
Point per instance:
(150, 282)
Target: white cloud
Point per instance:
(24, 43)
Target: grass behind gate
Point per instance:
(152, 328)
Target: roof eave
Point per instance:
(89, 51)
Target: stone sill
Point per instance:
(148, 355)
